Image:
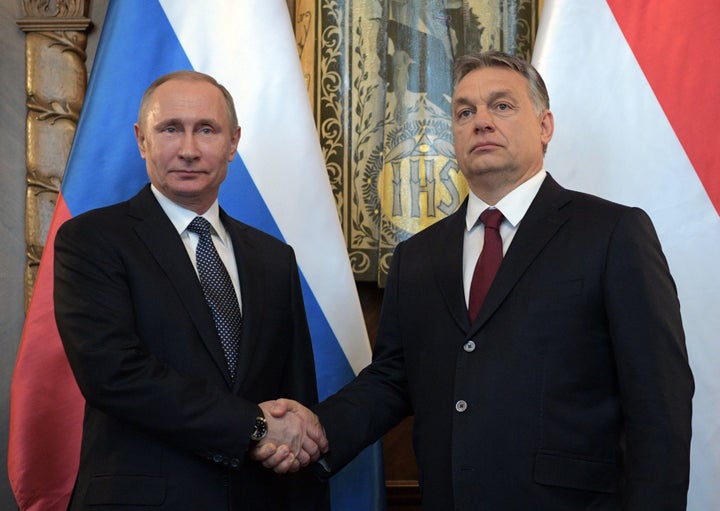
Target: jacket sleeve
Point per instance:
(655, 381)
(377, 399)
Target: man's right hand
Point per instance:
(295, 437)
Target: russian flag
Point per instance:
(278, 184)
(634, 89)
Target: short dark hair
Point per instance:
(536, 86)
(188, 75)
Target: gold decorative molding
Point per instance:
(55, 8)
(55, 78)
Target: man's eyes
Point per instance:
(503, 107)
(205, 130)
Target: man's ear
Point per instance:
(234, 141)
(547, 126)
(140, 138)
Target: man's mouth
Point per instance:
(483, 146)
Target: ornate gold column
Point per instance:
(56, 77)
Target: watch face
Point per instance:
(260, 430)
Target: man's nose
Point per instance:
(188, 147)
(483, 120)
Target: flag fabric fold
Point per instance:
(634, 96)
(278, 184)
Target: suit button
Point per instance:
(234, 463)
(461, 406)
(218, 458)
(469, 346)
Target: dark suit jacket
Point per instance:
(164, 427)
(571, 390)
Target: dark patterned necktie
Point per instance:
(489, 261)
(219, 292)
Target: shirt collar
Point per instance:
(181, 217)
(513, 206)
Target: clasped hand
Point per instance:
(295, 437)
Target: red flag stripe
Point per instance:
(682, 71)
(46, 407)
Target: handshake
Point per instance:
(295, 437)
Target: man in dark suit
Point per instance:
(570, 388)
(171, 410)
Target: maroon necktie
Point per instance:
(488, 262)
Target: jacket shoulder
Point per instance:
(105, 217)
(441, 228)
(259, 239)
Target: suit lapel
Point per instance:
(447, 259)
(251, 271)
(162, 240)
(543, 219)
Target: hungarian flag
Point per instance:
(634, 88)
(279, 184)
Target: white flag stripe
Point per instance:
(613, 139)
(258, 63)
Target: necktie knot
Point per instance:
(199, 226)
(491, 218)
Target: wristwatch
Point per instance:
(260, 429)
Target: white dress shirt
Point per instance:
(181, 218)
(513, 207)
